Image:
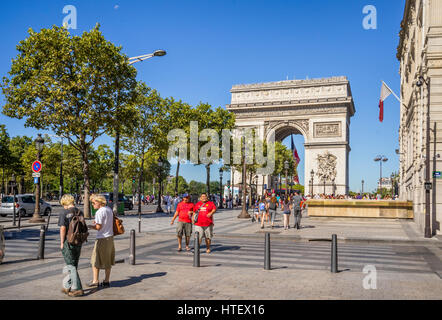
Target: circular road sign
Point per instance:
(36, 166)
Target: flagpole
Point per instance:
(392, 92)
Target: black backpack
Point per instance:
(78, 231)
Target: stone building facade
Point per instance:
(420, 53)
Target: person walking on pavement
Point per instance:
(103, 254)
(184, 212)
(71, 253)
(175, 201)
(204, 211)
(286, 210)
(297, 209)
(262, 206)
(273, 206)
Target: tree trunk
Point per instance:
(116, 172)
(176, 177)
(86, 208)
(139, 184)
(208, 179)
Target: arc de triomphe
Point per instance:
(319, 109)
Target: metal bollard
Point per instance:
(41, 245)
(334, 254)
(267, 252)
(132, 247)
(196, 251)
(139, 224)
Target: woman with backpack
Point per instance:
(273, 206)
(71, 252)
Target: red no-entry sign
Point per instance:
(36, 166)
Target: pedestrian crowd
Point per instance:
(358, 196)
(266, 208)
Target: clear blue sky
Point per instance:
(212, 45)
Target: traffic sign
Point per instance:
(36, 166)
(428, 185)
(36, 174)
(36, 180)
(437, 174)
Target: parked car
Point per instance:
(24, 205)
(128, 205)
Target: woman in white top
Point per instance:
(103, 255)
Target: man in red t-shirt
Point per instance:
(185, 212)
(204, 224)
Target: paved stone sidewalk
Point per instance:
(408, 266)
(162, 273)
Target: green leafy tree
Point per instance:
(196, 187)
(4, 153)
(101, 166)
(17, 147)
(217, 120)
(183, 187)
(70, 85)
(144, 140)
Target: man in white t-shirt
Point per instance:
(103, 255)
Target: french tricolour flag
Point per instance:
(385, 93)
(297, 160)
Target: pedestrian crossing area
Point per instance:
(249, 253)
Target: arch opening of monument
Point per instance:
(319, 110)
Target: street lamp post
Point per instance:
(244, 214)
(220, 188)
(36, 218)
(362, 186)
(392, 185)
(420, 83)
(435, 155)
(13, 185)
(157, 53)
(312, 174)
(286, 167)
(380, 159)
(324, 185)
(160, 166)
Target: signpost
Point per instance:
(36, 166)
(437, 174)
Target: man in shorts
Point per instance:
(204, 224)
(184, 211)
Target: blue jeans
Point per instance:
(272, 215)
(71, 255)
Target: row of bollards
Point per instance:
(334, 253)
(196, 253)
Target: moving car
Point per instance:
(24, 205)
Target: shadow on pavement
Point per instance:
(339, 271)
(29, 260)
(133, 280)
(218, 247)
